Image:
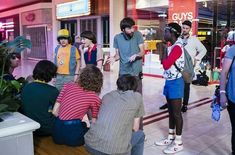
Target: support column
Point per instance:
(55, 24)
(117, 11)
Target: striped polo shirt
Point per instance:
(112, 131)
(75, 102)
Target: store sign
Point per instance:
(181, 10)
(36, 17)
(6, 30)
(73, 9)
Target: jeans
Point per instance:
(69, 132)
(231, 112)
(137, 142)
(62, 79)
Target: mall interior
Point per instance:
(40, 20)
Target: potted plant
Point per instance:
(9, 100)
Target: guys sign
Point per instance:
(181, 10)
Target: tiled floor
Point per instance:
(201, 135)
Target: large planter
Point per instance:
(16, 136)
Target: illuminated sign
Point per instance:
(6, 25)
(73, 9)
(7, 30)
(181, 10)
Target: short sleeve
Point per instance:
(115, 43)
(230, 54)
(140, 112)
(140, 39)
(95, 107)
(61, 95)
(77, 54)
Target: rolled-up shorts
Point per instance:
(174, 89)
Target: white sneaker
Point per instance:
(164, 142)
(173, 148)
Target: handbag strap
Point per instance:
(177, 67)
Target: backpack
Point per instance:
(188, 70)
(202, 79)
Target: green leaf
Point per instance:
(19, 44)
(16, 84)
(12, 103)
(3, 107)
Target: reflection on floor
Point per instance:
(201, 135)
(46, 146)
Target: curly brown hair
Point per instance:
(91, 79)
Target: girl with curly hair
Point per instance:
(73, 103)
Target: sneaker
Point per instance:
(165, 106)
(164, 142)
(184, 108)
(173, 148)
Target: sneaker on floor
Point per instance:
(173, 148)
(164, 142)
(165, 106)
(184, 108)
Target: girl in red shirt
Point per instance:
(73, 103)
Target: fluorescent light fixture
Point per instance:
(73, 9)
(162, 15)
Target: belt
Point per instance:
(70, 122)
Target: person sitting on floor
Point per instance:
(38, 97)
(73, 103)
(116, 130)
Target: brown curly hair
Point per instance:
(91, 79)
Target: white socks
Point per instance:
(178, 139)
(171, 134)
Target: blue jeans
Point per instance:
(69, 132)
(62, 79)
(137, 142)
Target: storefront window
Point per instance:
(216, 19)
(150, 18)
(9, 28)
(212, 18)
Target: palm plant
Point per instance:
(8, 89)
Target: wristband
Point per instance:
(222, 91)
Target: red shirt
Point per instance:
(75, 102)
